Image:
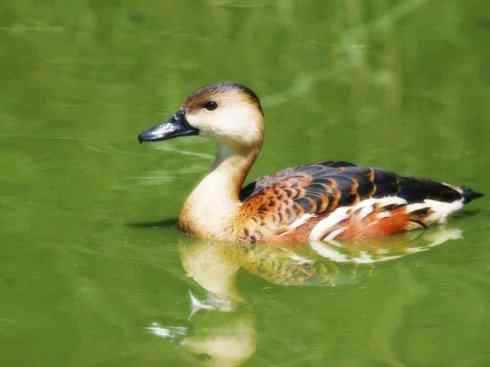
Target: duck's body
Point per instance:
(317, 202)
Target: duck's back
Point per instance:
(339, 200)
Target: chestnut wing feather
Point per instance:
(318, 189)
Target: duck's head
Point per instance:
(228, 112)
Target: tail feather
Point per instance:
(469, 194)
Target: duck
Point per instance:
(318, 202)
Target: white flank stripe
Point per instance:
(339, 214)
(416, 206)
(390, 200)
(365, 211)
(442, 210)
(326, 229)
(327, 224)
(300, 221)
(367, 205)
(333, 234)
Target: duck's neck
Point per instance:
(212, 206)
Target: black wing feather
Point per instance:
(354, 181)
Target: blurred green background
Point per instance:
(93, 271)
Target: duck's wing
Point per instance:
(298, 195)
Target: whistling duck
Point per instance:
(324, 201)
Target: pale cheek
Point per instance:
(237, 126)
(229, 125)
(200, 123)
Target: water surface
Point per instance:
(93, 269)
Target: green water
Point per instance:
(93, 271)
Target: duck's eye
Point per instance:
(210, 105)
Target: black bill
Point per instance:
(176, 126)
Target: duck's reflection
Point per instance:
(230, 339)
(385, 248)
(228, 344)
(218, 340)
(213, 265)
